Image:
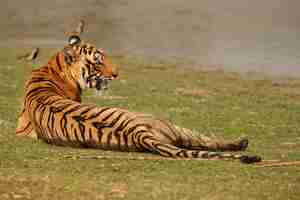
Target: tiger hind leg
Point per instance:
(167, 150)
(190, 140)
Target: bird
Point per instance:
(30, 56)
(78, 30)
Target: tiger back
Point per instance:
(52, 111)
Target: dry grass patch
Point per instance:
(195, 92)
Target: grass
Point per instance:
(265, 110)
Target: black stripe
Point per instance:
(72, 110)
(46, 82)
(182, 153)
(89, 108)
(125, 138)
(195, 154)
(100, 125)
(28, 124)
(42, 111)
(72, 142)
(65, 125)
(132, 137)
(121, 126)
(142, 137)
(171, 128)
(41, 131)
(45, 100)
(58, 62)
(32, 95)
(60, 108)
(146, 145)
(49, 121)
(98, 113)
(76, 136)
(89, 62)
(138, 125)
(160, 150)
(167, 135)
(82, 131)
(51, 116)
(109, 115)
(108, 141)
(65, 130)
(116, 119)
(38, 89)
(89, 72)
(78, 88)
(125, 123)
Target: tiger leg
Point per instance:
(167, 150)
(190, 140)
(24, 126)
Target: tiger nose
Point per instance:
(114, 73)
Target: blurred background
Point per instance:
(246, 35)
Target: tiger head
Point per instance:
(89, 66)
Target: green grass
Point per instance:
(265, 110)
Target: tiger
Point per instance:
(52, 111)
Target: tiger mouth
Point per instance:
(97, 81)
(101, 83)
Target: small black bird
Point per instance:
(30, 56)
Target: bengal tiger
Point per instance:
(52, 111)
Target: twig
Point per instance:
(277, 163)
(125, 158)
(264, 163)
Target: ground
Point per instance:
(265, 110)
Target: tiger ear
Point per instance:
(74, 40)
